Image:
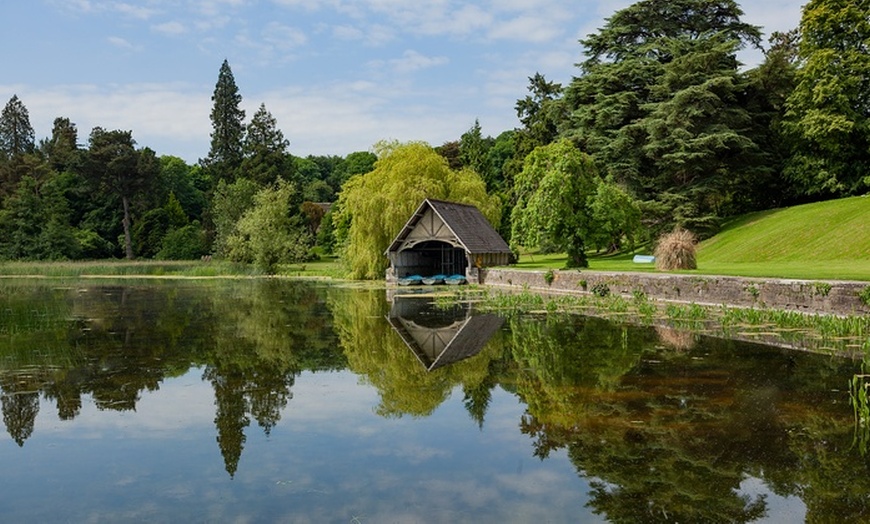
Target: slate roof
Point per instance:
(469, 225)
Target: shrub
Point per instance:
(676, 250)
(549, 277)
(186, 243)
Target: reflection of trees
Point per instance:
(670, 436)
(19, 413)
(269, 332)
(666, 430)
(569, 362)
(377, 353)
(113, 342)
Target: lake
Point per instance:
(270, 400)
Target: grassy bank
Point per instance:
(819, 241)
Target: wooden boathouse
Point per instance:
(446, 238)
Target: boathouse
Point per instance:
(446, 238)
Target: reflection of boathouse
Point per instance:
(446, 238)
(440, 337)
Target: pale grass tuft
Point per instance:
(676, 250)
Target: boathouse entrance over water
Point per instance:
(446, 238)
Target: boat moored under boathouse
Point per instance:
(445, 239)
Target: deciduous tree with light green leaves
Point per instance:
(616, 216)
(829, 111)
(268, 233)
(372, 208)
(229, 204)
(553, 192)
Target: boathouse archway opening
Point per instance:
(432, 257)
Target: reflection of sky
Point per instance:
(329, 459)
(785, 510)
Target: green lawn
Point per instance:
(820, 241)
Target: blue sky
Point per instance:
(339, 75)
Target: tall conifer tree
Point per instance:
(265, 150)
(228, 128)
(16, 133)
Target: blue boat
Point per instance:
(411, 280)
(434, 279)
(455, 280)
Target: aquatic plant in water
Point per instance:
(861, 407)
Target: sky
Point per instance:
(338, 75)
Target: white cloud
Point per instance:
(307, 5)
(138, 12)
(134, 11)
(122, 43)
(217, 7)
(413, 61)
(169, 118)
(347, 32)
(171, 28)
(527, 29)
(284, 37)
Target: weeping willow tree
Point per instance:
(372, 208)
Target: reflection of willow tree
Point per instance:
(269, 332)
(375, 352)
(672, 436)
(477, 396)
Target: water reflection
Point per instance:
(377, 352)
(659, 425)
(114, 342)
(440, 335)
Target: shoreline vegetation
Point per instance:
(847, 335)
(843, 335)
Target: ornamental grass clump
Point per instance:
(676, 250)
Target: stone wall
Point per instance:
(811, 296)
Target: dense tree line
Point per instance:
(661, 127)
(109, 198)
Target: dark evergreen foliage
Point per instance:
(16, 133)
(660, 103)
(228, 128)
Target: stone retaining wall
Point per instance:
(811, 296)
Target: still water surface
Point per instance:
(283, 401)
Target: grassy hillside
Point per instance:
(821, 240)
(826, 240)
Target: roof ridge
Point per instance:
(450, 202)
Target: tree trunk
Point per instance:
(128, 241)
